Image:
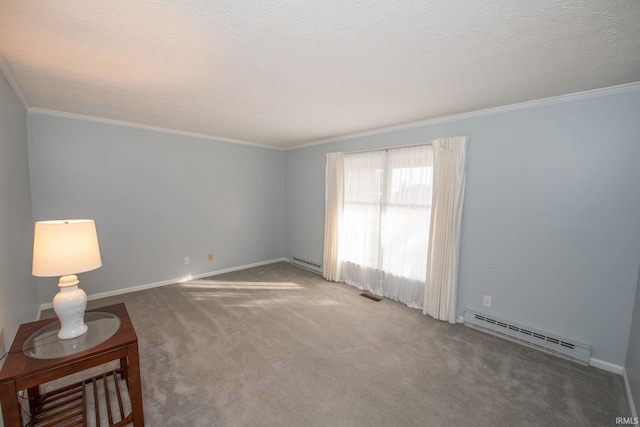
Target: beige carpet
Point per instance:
(279, 346)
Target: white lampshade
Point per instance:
(65, 247)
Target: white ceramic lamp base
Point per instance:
(69, 305)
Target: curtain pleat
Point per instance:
(334, 198)
(441, 290)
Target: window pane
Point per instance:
(360, 231)
(407, 212)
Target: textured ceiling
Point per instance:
(284, 73)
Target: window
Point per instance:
(393, 222)
(384, 233)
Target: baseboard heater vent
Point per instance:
(309, 265)
(543, 341)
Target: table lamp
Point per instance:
(65, 248)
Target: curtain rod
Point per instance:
(389, 148)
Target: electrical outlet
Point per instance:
(486, 301)
(210, 257)
(186, 260)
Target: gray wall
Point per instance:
(632, 365)
(551, 223)
(156, 198)
(17, 285)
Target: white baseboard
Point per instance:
(627, 386)
(610, 367)
(99, 295)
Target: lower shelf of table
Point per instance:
(102, 400)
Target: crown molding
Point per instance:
(5, 69)
(577, 96)
(66, 115)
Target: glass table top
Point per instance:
(45, 344)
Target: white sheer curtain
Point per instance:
(441, 295)
(385, 221)
(381, 233)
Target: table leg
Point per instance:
(125, 368)
(11, 414)
(135, 391)
(34, 396)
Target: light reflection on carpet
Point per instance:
(215, 284)
(204, 289)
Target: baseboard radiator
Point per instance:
(309, 265)
(563, 347)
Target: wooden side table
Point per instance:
(37, 356)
